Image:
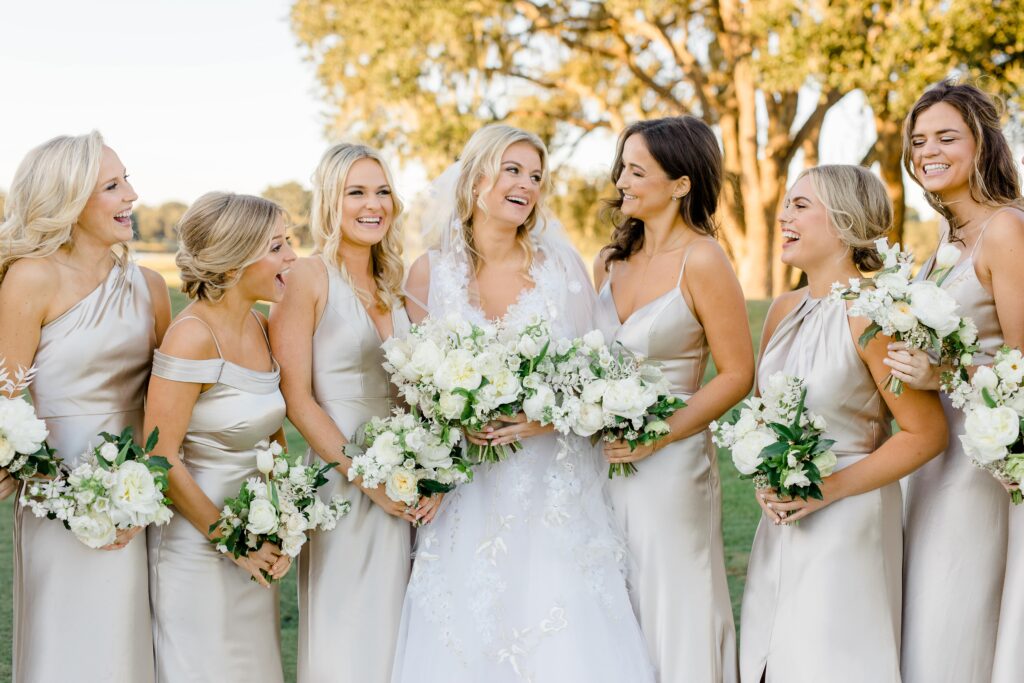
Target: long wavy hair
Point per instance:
(325, 222)
(219, 236)
(682, 146)
(994, 180)
(50, 189)
(481, 163)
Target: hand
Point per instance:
(8, 484)
(786, 510)
(392, 507)
(517, 428)
(124, 537)
(1009, 486)
(913, 367)
(427, 508)
(267, 559)
(617, 452)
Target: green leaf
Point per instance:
(870, 333)
(151, 441)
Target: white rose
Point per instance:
(108, 452)
(135, 493)
(934, 307)
(593, 392)
(594, 339)
(426, 358)
(628, 398)
(796, 477)
(989, 432)
(264, 460)
(402, 485)
(385, 450)
(458, 370)
(947, 256)
(536, 405)
(985, 378)
(435, 457)
(818, 423)
(902, 316)
(825, 462)
(658, 427)
(746, 452)
(451, 405)
(262, 517)
(94, 529)
(280, 466)
(590, 419)
(292, 545)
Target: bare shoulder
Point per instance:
(35, 278)
(156, 283)
(1005, 230)
(189, 338)
(707, 253)
(782, 306)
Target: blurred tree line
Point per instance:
(417, 77)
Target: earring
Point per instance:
(675, 199)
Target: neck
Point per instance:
(358, 260)
(232, 311)
(663, 233)
(820, 276)
(495, 243)
(968, 212)
(87, 254)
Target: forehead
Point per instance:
(109, 162)
(802, 188)
(939, 116)
(635, 149)
(523, 153)
(364, 170)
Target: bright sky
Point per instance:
(201, 95)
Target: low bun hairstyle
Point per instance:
(858, 207)
(682, 146)
(218, 237)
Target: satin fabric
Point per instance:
(82, 614)
(211, 621)
(822, 598)
(954, 563)
(671, 509)
(351, 580)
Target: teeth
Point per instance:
(124, 214)
(517, 200)
(369, 220)
(928, 168)
(628, 196)
(790, 235)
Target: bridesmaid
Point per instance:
(340, 305)
(214, 395)
(668, 293)
(822, 599)
(73, 304)
(957, 514)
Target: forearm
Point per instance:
(709, 403)
(319, 430)
(900, 455)
(189, 499)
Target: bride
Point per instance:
(520, 577)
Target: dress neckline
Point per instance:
(92, 294)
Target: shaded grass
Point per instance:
(739, 520)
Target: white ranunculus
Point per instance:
(135, 493)
(985, 378)
(902, 316)
(535, 406)
(589, 420)
(594, 339)
(451, 405)
(934, 307)
(593, 392)
(825, 462)
(262, 517)
(264, 460)
(95, 529)
(458, 370)
(796, 477)
(894, 283)
(989, 432)
(947, 256)
(426, 358)
(627, 398)
(746, 452)
(402, 485)
(386, 450)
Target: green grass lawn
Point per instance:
(739, 519)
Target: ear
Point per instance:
(681, 187)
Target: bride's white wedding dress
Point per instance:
(520, 577)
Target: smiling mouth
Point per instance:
(790, 237)
(279, 278)
(124, 218)
(517, 200)
(371, 221)
(933, 168)
(628, 197)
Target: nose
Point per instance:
(784, 216)
(289, 253)
(130, 196)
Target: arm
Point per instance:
(600, 269)
(292, 323)
(161, 302)
(417, 285)
(923, 435)
(169, 407)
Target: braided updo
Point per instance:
(218, 237)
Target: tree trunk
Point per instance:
(888, 152)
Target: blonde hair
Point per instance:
(51, 187)
(481, 161)
(325, 221)
(219, 236)
(858, 207)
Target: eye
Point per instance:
(112, 185)
(384, 192)
(536, 178)
(947, 139)
(354, 193)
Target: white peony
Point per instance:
(593, 392)
(451, 405)
(7, 451)
(989, 432)
(934, 307)
(135, 493)
(386, 450)
(94, 529)
(262, 517)
(292, 545)
(746, 452)
(628, 398)
(402, 485)
(947, 256)
(590, 419)
(458, 370)
(434, 457)
(902, 317)
(426, 358)
(895, 283)
(395, 353)
(536, 405)
(506, 386)
(20, 427)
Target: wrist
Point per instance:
(833, 487)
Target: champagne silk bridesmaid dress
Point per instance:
(956, 535)
(82, 614)
(211, 621)
(671, 509)
(352, 580)
(822, 599)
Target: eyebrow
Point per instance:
(124, 172)
(799, 197)
(362, 187)
(636, 166)
(938, 132)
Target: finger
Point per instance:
(789, 506)
(768, 511)
(505, 432)
(898, 345)
(513, 419)
(258, 575)
(798, 515)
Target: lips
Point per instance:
(628, 197)
(517, 200)
(124, 218)
(370, 221)
(789, 237)
(934, 168)
(280, 279)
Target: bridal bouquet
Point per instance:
(23, 449)
(778, 443)
(117, 485)
(278, 507)
(921, 313)
(993, 401)
(610, 396)
(463, 375)
(410, 456)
